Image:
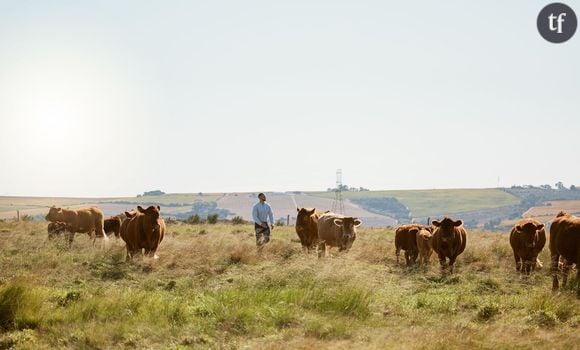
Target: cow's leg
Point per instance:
(397, 254)
(153, 251)
(555, 260)
(528, 265)
(533, 263)
(69, 237)
(565, 272)
(428, 257)
(578, 280)
(442, 261)
(321, 248)
(326, 251)
(407, 257)
(414, 255)
(518, 261)
(451, 263)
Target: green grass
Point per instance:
(435, 202)
(211, 288)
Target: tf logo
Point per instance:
(557, 22)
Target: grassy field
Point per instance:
(424, 203)
(549, 210)
(212, 289)
(181, 202)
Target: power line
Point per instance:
(338, 204)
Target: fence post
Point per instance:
(18, 215)
(288, 220)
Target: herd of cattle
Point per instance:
(144, 229)
(448, 239)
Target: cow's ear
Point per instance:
(357, 222)
(158, 207)
(539, 227)
(141, 210)
(458, 223)
(298, 210)
(338, 222)
(436, 223)
(518, 228)
(414, 231)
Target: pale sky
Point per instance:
(113, 98)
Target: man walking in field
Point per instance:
(261, 213)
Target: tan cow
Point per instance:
(449, 240)
(307, 227)
(527, 239)
(424, 236)
(144, 232)
(336, 230)
(565, 245)
(89, 220)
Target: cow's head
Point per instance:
(528, 233)
(447, 228)
(424, 234)
(54, 214)
(303, 217)
(348, 227)
(152, 220)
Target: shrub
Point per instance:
(212, 218)
(194, 219)
(238, 220)
(487, 312)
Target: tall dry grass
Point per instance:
(211, 288)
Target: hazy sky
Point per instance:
(110, 98)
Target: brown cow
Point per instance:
(144, 231)
(527, 239)
(406, 239)
(57, 228)
(336, 230)
(89, 220)
(565, 244)
(307, 227)
(424, 245)
(128, 216)
(449, 240)
(113, 225)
